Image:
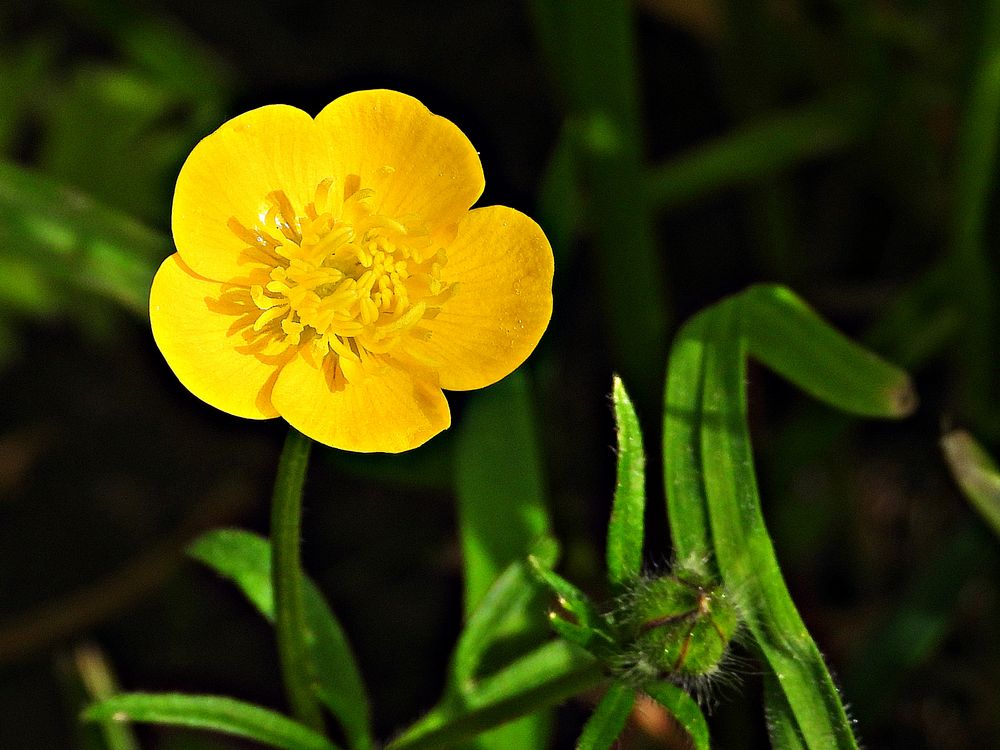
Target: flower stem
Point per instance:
(286, 579)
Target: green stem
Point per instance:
(287, 579)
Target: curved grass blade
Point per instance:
(245, 559)
(785, 334)
(625, 531)
(683, 708)
(742, 547)
(608, 719)
(211, 712)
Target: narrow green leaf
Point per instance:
(976, 473)
(602, 94)
(501, 492)
(761, 149)
(742, 547)
(560, 205)
(68, 237)
(683, 707)
(781, 725)
(686, 504)
(625, 531)
(544, 678)
(500, 612)
(570, 597)
(791, 339)
(245, 559)
(974, 195)
(608, 719)
(216, 713)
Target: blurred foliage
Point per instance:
(675, 152)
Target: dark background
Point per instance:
(856, 180)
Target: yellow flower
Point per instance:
(330, 271)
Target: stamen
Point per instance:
(342, 283)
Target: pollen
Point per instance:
(336, 277)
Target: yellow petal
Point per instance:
(501, 264)
(386, 410)
(418, 163)
(199, 348)
(230, 173)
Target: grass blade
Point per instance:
(501, 493)
(683, 708)
(66, 236)
(686, 505)
(544, 678)
(245, 558)
(625, 531)
(608, 719)
(781, 725)
(760, 149)
(742, 547)
(787, 336)
(976, 473)
(224, 715)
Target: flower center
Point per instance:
(336, 282)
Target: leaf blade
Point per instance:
(217, 713)
(608, 719)
(625, 530)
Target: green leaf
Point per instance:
(500, 612)
(786, 335)
(216, 713)
(741, 544)
(976, 473)
(602, 94)
(761, 149)
(67, 237)
(502, 505)
(683, 708)
(544, 678)
(687, 509)
(245, 559)
(781, 725)
(625, 531)
(560, 205)
(608, 719)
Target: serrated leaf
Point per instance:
(245, 559)
(626, 528)
(220, 714)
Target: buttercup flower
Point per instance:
(330, 271)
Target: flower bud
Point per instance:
(677, 625)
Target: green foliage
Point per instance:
(213, 713)
(625, 529)
(245, 559)
(608, 719)
(683, 708)
(712, 493)
(976, 473)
